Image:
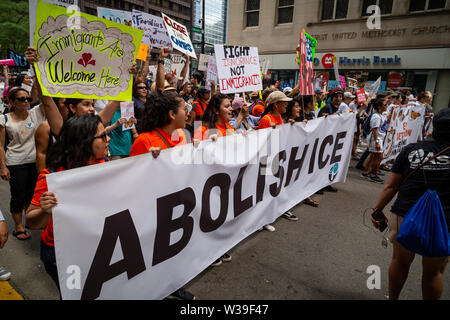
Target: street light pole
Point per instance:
(203, 26)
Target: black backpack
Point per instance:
(6, 134)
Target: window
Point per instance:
(422, 5)
(252, 13)
(285, 11)
(334, 9)
(385, 6)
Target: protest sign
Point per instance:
(372, 88)
(145, 243)
(179, 36)
(342, 82)
(336, 69)
(89, 60)
(118, 16)
(211, 73)
(177, 63)
(142, 53)
(203, 62)
(324, 78)
(152, 71)
(306, 66)
(19, 59)
(127, 112)
(405, 128)
(238, 68)
(361, 95)
(155, 34)
(71, 5)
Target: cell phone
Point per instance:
(381, 218)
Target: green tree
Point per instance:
(14, 26)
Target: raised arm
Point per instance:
(142, 74)
(160, 74)
(183, 72)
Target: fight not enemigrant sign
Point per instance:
(238, 68)
(148, 226)
(83, 56)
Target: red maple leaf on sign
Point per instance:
(86, 59)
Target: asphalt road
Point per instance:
(323, 256)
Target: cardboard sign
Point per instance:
(179, 36)
(71, 5)
(238, 68)
(203, 62)
(127, 112)
(306, 66)
(211, 74)
(86, 57)
(155, 34)
(361, 95)
(118, 16)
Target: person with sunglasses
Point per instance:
(140, 94)
(18, 154)
(83, 141)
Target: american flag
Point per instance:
(306, 66)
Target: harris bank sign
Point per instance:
(352, 60)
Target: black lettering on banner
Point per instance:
(163, 250)
(261, 180)
(338, 146)
(295, 164)
(223, 181)
(119, 225)
(274, 189)
(239, 204)
(313, 157)
(327, 140)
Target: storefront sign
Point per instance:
(327, 61)
(394, 80)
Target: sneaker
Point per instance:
(217, 263)
(359, 166)
(226, 257)
(330, 189)
(288, 215)
(364, 175)
(269, 227)
(376, 179)
(181, 294)
(5, 275)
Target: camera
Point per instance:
(381, 218)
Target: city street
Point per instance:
(323, 255)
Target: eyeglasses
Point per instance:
(23, 99)
(104, 136)
(142, 88)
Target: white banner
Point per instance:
(155, 34)
(238, 68)
(140, 228)
(179, 36)
(71, 5)
(405, 128)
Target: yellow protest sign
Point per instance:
(83, 56)
(142, 54)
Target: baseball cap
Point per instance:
(348, 95)
(203, 90)
(287, 90)
(336, 91)
(277, 96)
(237, 103)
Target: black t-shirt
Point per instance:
(435, 175)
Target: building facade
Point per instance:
(215, 24)
(180, 10)
(410, 47)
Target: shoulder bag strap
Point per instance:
(162, 138)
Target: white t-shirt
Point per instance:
(378, 121)
(343, 108)
(21, 148)
(353, 106)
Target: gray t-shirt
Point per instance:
(21, 148)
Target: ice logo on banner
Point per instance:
(333, 172)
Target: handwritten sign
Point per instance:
(342, 82)
(306, 66)
(19, 59)
(211, 73)
(177, 63)
(179, 36)
(127, 112)
(361, 95)
(203, 62)
(118, 16)
(155, 34)
(90, 59)
(238, 68)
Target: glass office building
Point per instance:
(215, 23)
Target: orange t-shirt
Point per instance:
(198, 107)
(150, 139)
(202, 133)
(268, 120)
(258, 109)
(41, 187)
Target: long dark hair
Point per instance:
(209, 116)
(12, 95)
(377, 104)
(71, 101)
(73, 147)
(288, 114)
(156, 111)
(135, 84)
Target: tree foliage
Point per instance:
(14, 26)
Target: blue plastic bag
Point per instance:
(424, 229)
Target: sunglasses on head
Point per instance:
(23, 99)
(103, 136)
